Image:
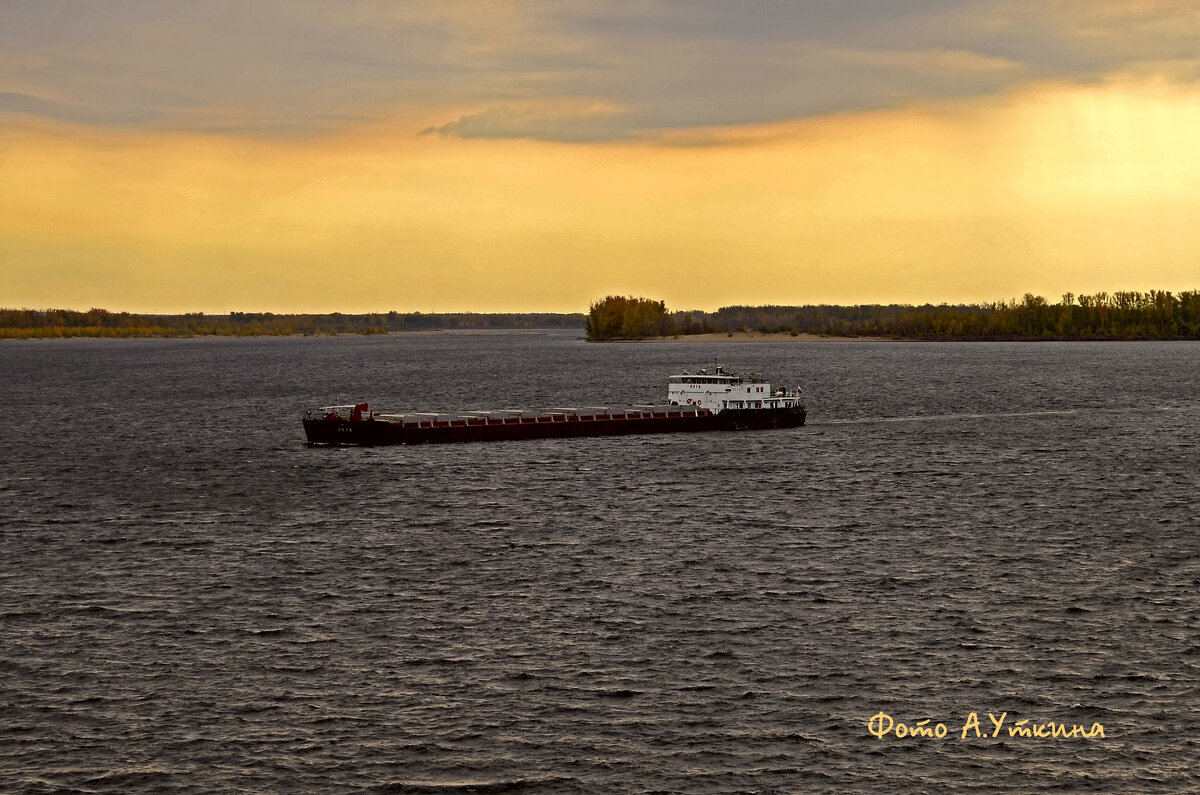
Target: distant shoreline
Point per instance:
(1153, 315)
(719, 337)
(54, 323)
(201, 336)
(714, 338)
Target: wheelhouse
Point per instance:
(718, 390)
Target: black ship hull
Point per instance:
(371, 432)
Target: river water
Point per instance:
(193, 600)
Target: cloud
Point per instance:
(17, 102)
(1159, 20)
(1099, 36)
(574, 70)
(935, 62)
(177, 63)
(29, 105)
(554, 122)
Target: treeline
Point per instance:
(621, 318)
(30, 323)
(1155, 314)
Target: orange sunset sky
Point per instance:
(495, 156)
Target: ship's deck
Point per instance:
(557, 414)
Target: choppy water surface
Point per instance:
(192, 599)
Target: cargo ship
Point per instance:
(703, 401)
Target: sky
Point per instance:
(512, 156)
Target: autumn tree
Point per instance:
(619, 317)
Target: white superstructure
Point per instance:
(717, 390)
